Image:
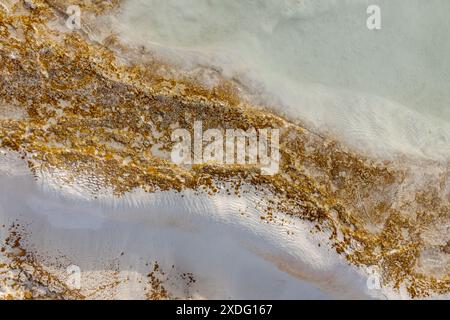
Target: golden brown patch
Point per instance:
(91, 116)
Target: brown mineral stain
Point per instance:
(97, 120)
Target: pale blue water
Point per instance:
(389, 86)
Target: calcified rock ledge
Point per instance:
(72, 105)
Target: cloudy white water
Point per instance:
(383, 91)
(230, 255)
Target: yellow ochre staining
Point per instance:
(107, 124)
